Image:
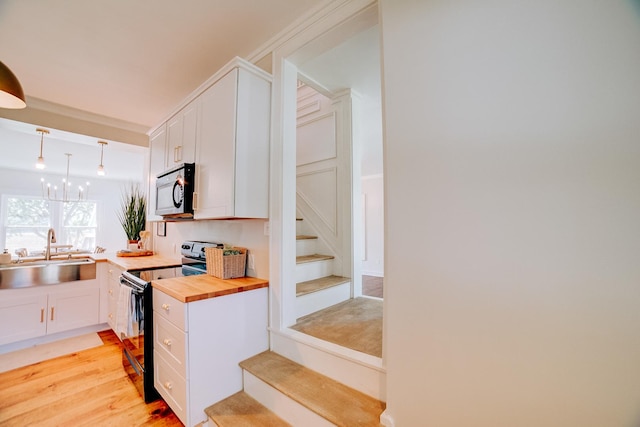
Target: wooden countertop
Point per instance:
(203, 286)
(138, 262)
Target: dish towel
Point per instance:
(122, 316)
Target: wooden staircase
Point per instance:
(316, 285)
(280, 392)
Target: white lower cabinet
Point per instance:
(34, 312)
(198, 345)
(111, 294)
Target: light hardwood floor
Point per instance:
(355, 324)
(87, 388)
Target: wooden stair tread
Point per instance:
(305, 237)
(241, 410)
(315, 285)
(339, 404)
(311, 258)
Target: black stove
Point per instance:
(193, 256)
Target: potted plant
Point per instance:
(133, 213)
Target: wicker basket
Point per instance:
(225, 266)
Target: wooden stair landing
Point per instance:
(241, 410)
(337, 403)
(310, 286)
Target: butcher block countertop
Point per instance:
(203, 286)
(138, 262)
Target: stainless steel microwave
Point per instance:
(174, 191)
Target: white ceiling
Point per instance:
(132, 60)
(136, 61)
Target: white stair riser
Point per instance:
(306, 247)
(314, 301)
(356, 370)
(313, 270)
(283, 406)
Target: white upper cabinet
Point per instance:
(157, 156)
(232, 153)
(181, 136)
(224, 130)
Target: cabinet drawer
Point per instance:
(171, 343)
(171, 386)
(169, 308)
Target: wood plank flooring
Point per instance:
(87, 388)
(355, 324)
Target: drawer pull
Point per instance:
(111, 316)
(168, 385)
(167, 342)
(110, 291)
(42, 315)
(165, 307)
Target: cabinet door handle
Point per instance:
(194, 202)
(165, 307)
(42, 315)
(167, 342)
(168, 385)
(52, 308)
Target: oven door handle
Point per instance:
(134, 287)
(131, 362)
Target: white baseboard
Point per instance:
(373, 273)
(386, 420)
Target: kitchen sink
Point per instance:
(30, 273)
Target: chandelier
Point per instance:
(67, 193)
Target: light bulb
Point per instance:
(40, 164)
(101, 170)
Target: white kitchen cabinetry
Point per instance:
(170, 145)
(157, 156)
(34, 312)
(232, 152)
(198, 345)
(22, 316)
(181, 136)
(112, 290)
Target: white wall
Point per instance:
(512, 173)
(372, 189)
(108, 193)
(247, 233)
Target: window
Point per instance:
(26, 220)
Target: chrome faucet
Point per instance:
(51, 238)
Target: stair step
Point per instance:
(311, 258)
(241, 410)
(305, 237)
(337, 403)
(315, 285)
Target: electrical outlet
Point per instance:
(251, 261)
(267, 228)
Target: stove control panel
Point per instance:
(195, 249)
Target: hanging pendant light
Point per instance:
(11, 94)
(40, 163)
(101, 170)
